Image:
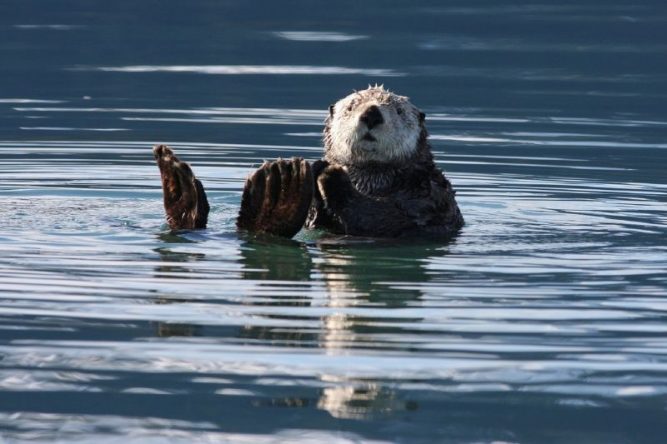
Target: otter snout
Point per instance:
(372, 117)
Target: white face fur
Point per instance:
(355, 137)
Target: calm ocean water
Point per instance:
(544, 321)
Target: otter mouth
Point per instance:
(369, 137)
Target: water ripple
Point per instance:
(248, 70)
(318, 36)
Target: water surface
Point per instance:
(543, 321)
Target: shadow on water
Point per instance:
(269, 258)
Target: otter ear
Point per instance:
(422, 117)
(331, 110)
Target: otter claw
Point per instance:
(276, 198)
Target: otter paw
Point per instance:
(319, 166)
(185, 200)
(335, 187)
(276, 198)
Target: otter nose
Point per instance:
(372, 117)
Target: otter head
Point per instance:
(373, 125)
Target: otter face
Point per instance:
(373, 125)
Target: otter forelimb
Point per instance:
(276, 198)
(184, 197)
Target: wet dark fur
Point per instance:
(410, 196)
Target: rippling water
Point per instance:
(543, 321)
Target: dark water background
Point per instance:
(544, 321)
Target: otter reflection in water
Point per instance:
(347, 279)
(377, 178)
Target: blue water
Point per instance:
(544, 321)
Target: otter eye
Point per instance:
(349, 107)
(399, 110)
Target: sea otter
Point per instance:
(377, 178)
